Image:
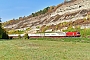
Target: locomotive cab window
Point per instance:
(78, 32)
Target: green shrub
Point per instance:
(19, 36)
(5, 36)
(26, 36)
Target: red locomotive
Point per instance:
(72, 34)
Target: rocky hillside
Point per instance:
(68, 11)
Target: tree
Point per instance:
(0, 29)
(33, 14)
(19, 36)
(3, 34)
(26, 36)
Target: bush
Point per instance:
(26, 36)
(0, 36)
(5, 35)
(19, 36)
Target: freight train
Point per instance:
(53, 35)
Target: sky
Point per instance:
(10, 9)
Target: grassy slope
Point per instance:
(43, 50)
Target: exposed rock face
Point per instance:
(72, 7)
(68, 11)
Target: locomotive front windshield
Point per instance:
(78, 32)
